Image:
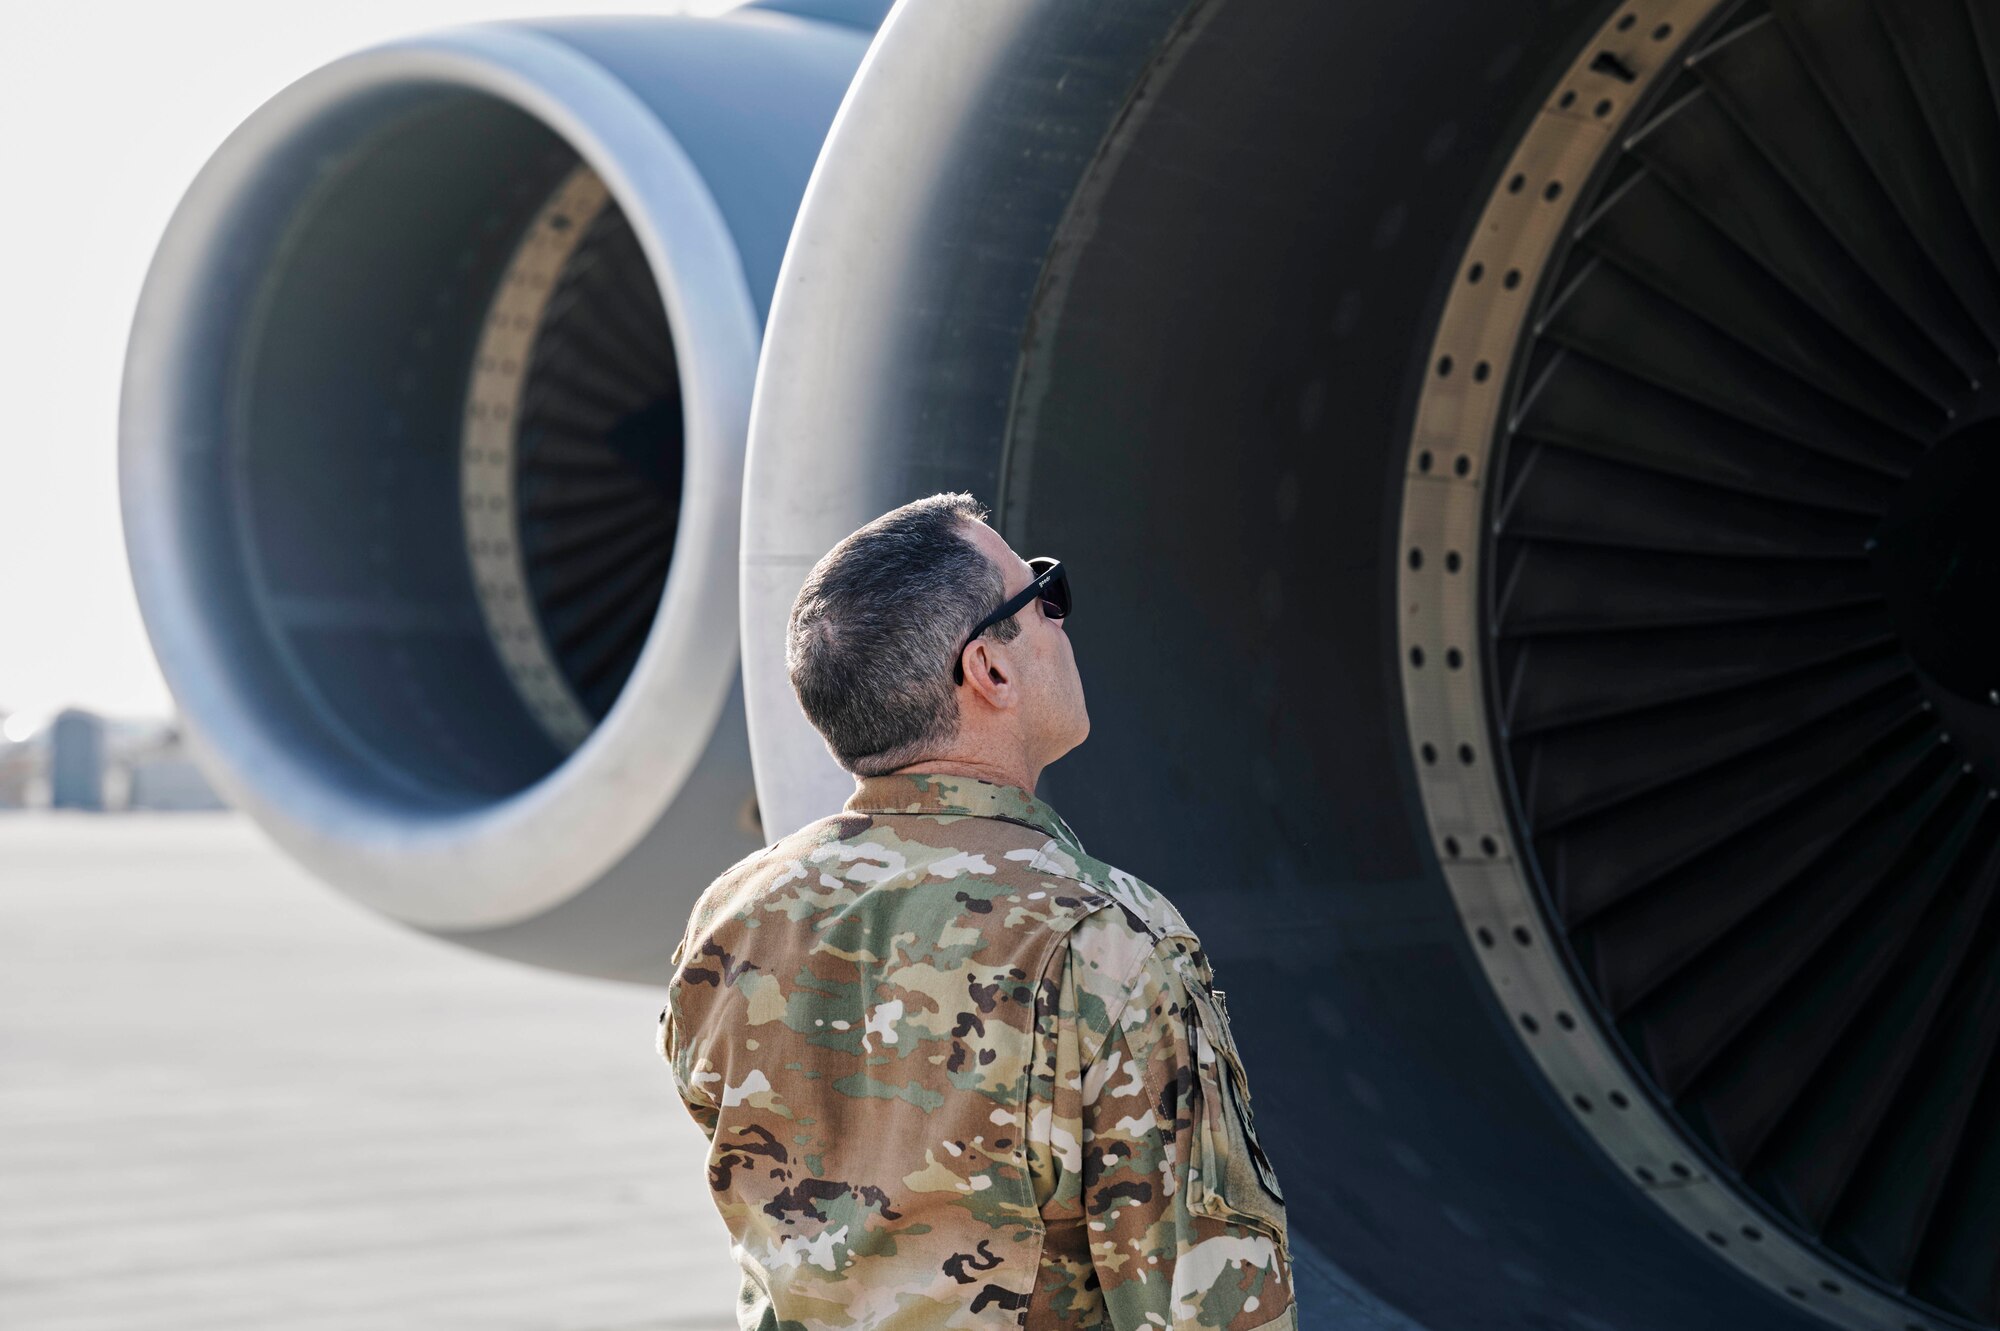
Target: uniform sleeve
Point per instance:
(1185, 1224)
(669, 1047)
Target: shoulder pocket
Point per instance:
(1229, 1175)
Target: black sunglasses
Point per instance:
(1050, 583)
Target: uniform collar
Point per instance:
(946, 793)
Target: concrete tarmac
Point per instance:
(229, 1098)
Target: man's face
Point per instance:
(1054, 713)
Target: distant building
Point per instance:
(80, 760)
(21, 780)
(76, 761)
(170, 782)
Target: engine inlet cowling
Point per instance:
(1527, 460)
(431, 449)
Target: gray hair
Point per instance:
(875, 630)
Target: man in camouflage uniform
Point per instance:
(955, 1071)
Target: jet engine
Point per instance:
(1524, 472)
(431, 461)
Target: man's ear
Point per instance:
(988, 672)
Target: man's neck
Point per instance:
(1021, 775)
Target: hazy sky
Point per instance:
(106, 113)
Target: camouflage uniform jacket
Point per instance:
(955, 1073)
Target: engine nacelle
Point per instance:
(1523, 469)
(431, 455)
